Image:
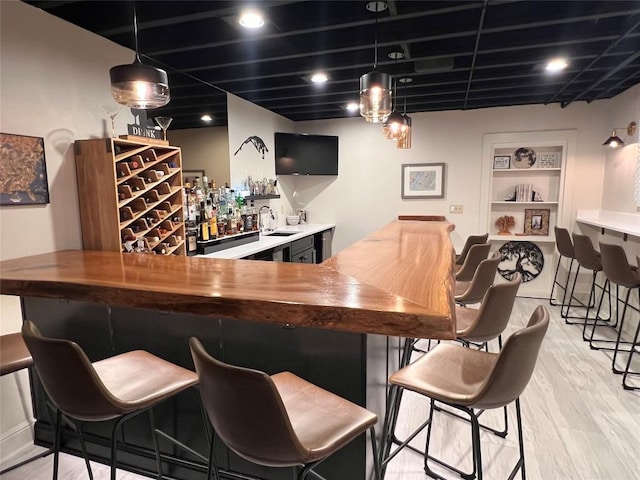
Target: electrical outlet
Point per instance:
(455, 208)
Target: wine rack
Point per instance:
(130, 196)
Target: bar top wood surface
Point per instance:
(397, 281)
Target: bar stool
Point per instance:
(14, 356)
(474, 291)
(468, 379)
(634, 349)
(618, 272)
(279, 420)
(477, 253)
(474, 327)
(565, 249)
(589, 259)
(117, 388)
(471, 241)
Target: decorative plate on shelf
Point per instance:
(524, 158)
(523, 257)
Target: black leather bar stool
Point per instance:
(564, 246)
(620, 273)
(468, 379)
(14, 356)
(116, 388)
(279, 420)
(589, 259)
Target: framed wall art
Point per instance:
(423, 180)
(536, 222)
(23, 170)
(501, 162)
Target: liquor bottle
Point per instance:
(203, 228)
(213, 223)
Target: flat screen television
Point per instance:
(301, 154)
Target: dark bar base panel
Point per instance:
(336, 361)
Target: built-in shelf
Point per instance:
(506, 202)
(523, 238)
(520, 171)
(625, 223)
(261, 197)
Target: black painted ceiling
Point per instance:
(460, 54)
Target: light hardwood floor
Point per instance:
(579, 423)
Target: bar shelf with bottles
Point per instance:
(216, 217)
(146, 213)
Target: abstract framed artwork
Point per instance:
(23, 170)
(423, 180)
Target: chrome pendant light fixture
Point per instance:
(137, 85)
(375, 86)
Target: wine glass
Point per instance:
(111, 113)
(164, 123)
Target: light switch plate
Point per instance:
(455, 208)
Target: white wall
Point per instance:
(620, 165)
(204, 149)
(366, 193)
(246, 120)
(51, 86)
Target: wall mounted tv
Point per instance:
(301, 154)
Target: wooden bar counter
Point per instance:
(329, 324)
(396, 282)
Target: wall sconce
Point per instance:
(614, 141)
(138, 85)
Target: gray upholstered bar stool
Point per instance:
(279, 420)
(116, 388)
(620, 273)
(476, 254)
(474, 291)
(565, 249)
(14, 356)
(468, 379)
(469, 242)
(588, 259)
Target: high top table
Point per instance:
(327, 323)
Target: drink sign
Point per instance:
(141, 128)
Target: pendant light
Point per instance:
(404, 141)
(137, 85)
(375, 86)
(393, 128)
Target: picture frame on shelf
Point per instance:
(548, 160)
(502, 162)
(536, 221)
(187, 175)
(423, 180)
(23, 169)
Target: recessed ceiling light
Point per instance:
(352, 107)
(319, 77)
(206, 118)
(251, 19)
(556, 65)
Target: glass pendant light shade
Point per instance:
(139, 86)
(375, 96)
(404, 142)
(395, 126)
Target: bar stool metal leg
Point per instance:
(633, 351)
